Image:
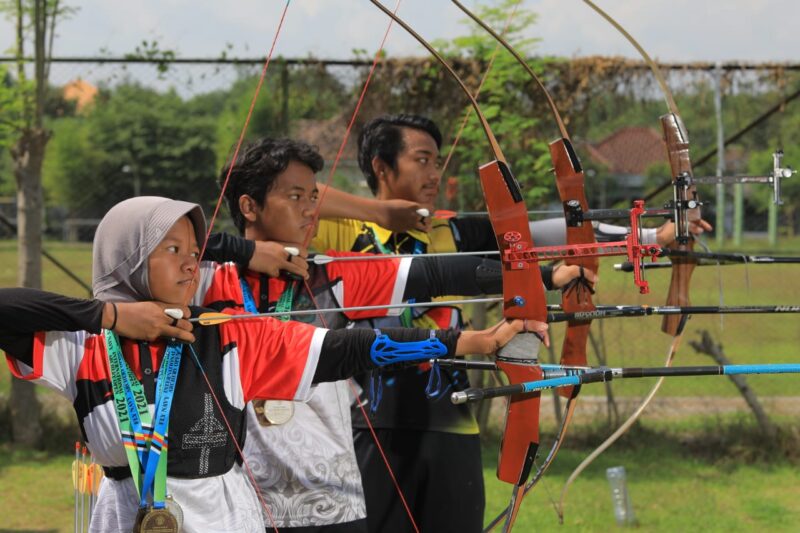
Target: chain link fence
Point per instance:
(611, 113)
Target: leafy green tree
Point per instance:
(512, 104)
(24, 134)
(133, 141)
(290, 93)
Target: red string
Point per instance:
(205, 243)
(468, 114)
(371, 428)
(342, 146)
(308, 237)
(244, 128)
(236, 444)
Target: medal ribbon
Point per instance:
(145, 443)
(283, 305)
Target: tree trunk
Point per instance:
(27, 155)
(707, 346)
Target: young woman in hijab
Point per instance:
(130, 393)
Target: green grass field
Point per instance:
(676, 481)
(671, 490)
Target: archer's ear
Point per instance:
(248, 207)
(380, 168)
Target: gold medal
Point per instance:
(159, 521)
(273, 412)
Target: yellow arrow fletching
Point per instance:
(76, 473)
(212, 319)
(97, 477)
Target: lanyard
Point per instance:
(145, 441)
(419, 248)
(283, 305)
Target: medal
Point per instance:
(135, 421)
(273, 412)
(158, 521)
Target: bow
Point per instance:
(523, 298)
(686, 208)
(576, 297)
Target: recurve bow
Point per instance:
(687, 208)
(523, 298)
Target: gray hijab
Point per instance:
(127, 236)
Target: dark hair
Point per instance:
(383, 137)
(258, 165)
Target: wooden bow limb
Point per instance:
(686, 207)
(523, 293)
(576, 298)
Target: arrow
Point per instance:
(622, 311)
(573, 377)
(711, 259)
(322, 259)
(211, 319)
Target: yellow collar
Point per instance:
(383, 234)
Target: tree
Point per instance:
(132, 141)
(26, 137)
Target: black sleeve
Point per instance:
(23, 312)
(473, 234)
(429, 277)
(223, 247)
(346, 352)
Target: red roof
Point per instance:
(327, 136)
(629, 150)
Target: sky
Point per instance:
(670, 30)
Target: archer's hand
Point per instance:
(489, 341)
(665, 235)
(400, 216)
(563, 274)
(146, 321)
(271, 258)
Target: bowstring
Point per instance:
(468, 113)
(196, 273)
(309, 236)
(335, 164)
(370, 426)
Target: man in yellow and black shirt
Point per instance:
(432, 445)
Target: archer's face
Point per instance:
(418, 171)
(288, 212)
(172, 266)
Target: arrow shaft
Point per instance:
(573, 377)
(729, 257)
(622, 311)
(216, 318)
(322, 259)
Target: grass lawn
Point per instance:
(671, 490)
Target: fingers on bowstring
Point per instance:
(297, 266)
(179, 332)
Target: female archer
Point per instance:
(162, 407)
